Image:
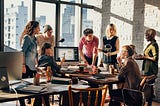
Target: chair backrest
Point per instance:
(142, 83)
(147, 84)
(133, 97)
(89, 91)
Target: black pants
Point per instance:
(29, 74)
(38, 100)
(89, 60)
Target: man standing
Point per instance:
(88, 47)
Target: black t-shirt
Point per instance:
(112, 42)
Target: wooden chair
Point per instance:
(128, 96)
(89, 91)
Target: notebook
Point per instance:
(4, 84)
(31, 89)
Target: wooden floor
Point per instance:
(13, 103)
(55, 103)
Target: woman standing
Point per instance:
(151, 54)
(150, 60)
(29, 49)
(110, 46)
(47, 37)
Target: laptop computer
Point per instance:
(13, 62)
(4, 84)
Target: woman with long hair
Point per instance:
(29, 48)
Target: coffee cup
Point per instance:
(81, 68)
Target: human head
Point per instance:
(88, 34)
(47, 50)
(126, 51)
(150, 34)
(30, 29)
(133, 47)
(111, 30)
(47, 28)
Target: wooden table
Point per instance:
(50, 90)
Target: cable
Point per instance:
(15, 94)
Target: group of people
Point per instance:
(129, 70)
(38, 50)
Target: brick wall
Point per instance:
(132, 18)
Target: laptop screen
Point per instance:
(13, 63)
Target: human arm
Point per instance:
(82, 57)
(125, 69)
(119, 60)
(25, 44)
(151, 53)
(94, 58)
(81, 52)
(62, 61)
(95, 52)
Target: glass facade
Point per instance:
(46, 15)
(65, 17)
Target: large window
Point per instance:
(65, 17)
(89, 21)
(75, 1)
(69, 24)
(96, 3)
(45, 14)
(16, 15)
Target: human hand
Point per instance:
(139, 57)
(23, 69)
(94, 70)
(99, 50)
(63, 59)
(86, 63)
(107, 54)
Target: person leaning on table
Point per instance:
(88, 47)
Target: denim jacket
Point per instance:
(29, 49)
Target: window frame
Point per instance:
(33, 16)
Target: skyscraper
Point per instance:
(15, 20)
